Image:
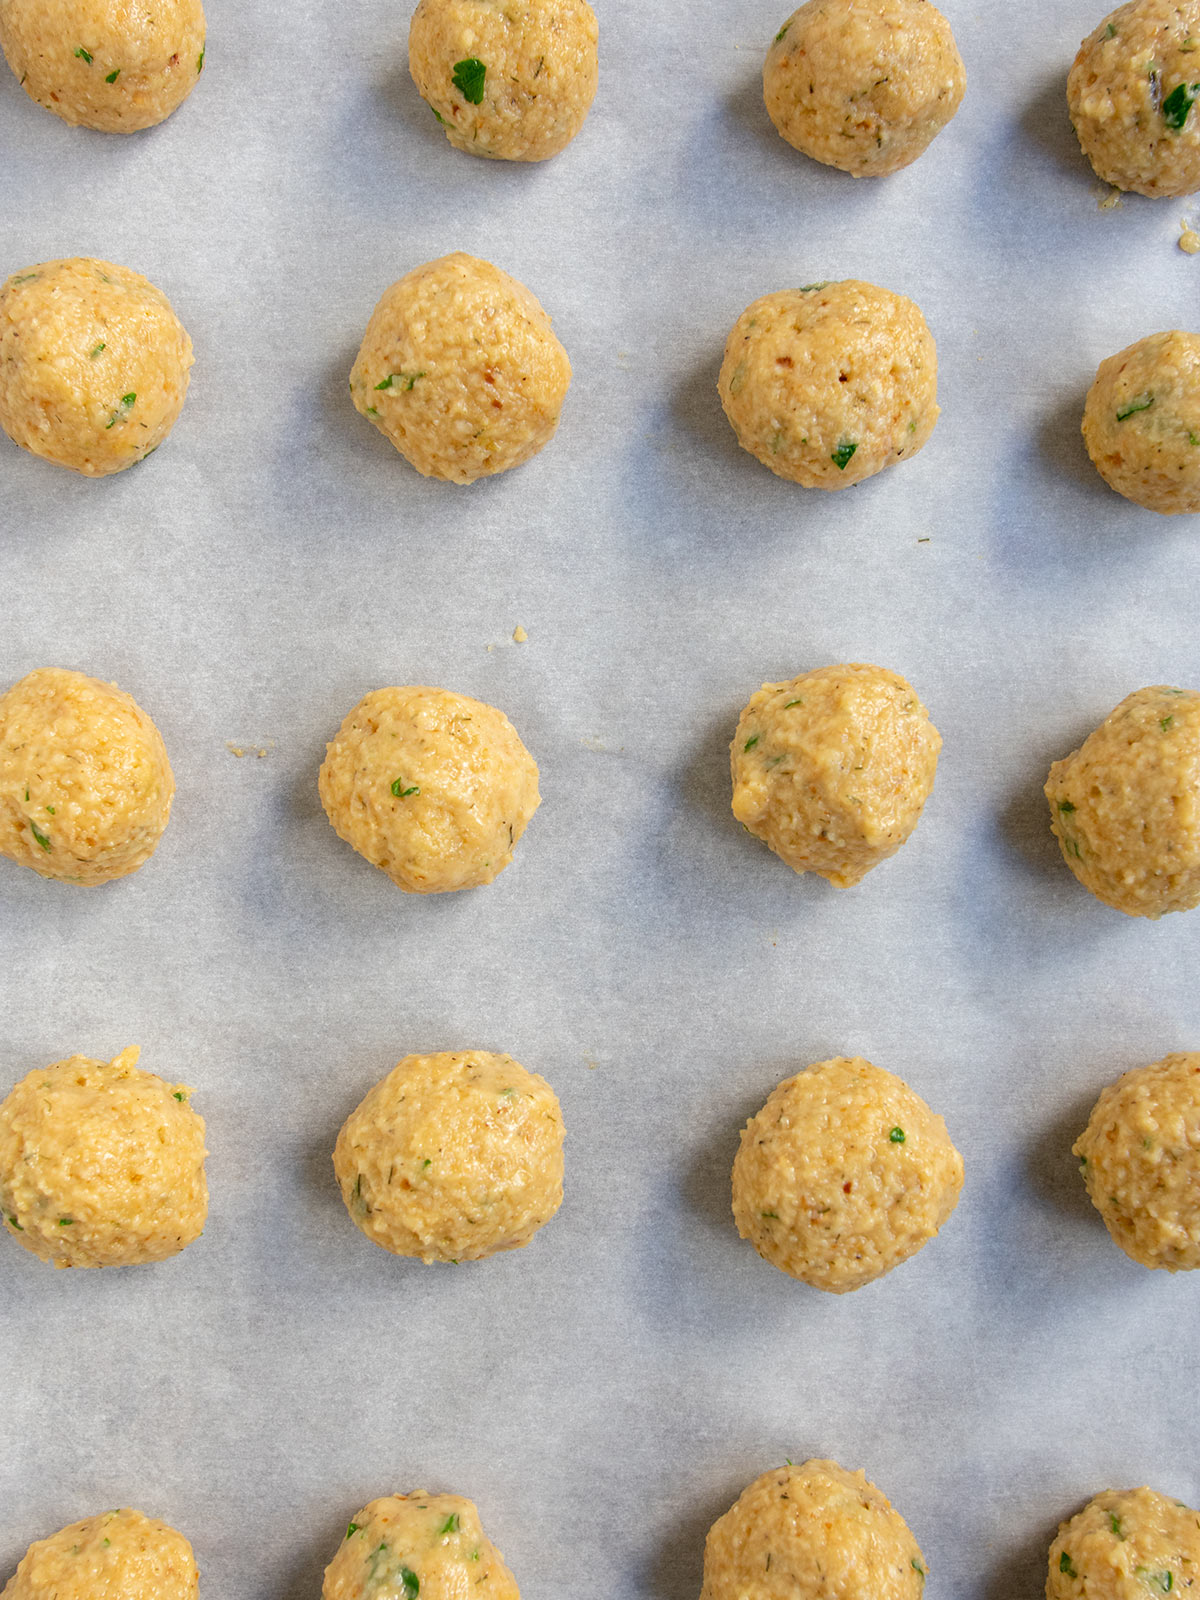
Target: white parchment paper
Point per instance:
(606, 1393)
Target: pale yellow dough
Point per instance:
(461, 370)
(538, 79)
(93, 364)
(1126, 1544)
(1140, 1159)
(832, 769)
(427, 1544)
(829, 384)
(843, 1174)
(432, 787)
(864, 85)
(85, 784)
(453, 1157)
(101, 1164)
(812, 1532)
(1141, 422)
(1130, 93)
(118, 1555)
(1125, 806)
(116, 65)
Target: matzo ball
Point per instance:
(1141, 422)
(431, 1545)
(1126, 1544)
(122, 1554)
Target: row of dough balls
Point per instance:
(842, 1175)
(864, 87)
(461, 370)
(831, 769)
(804, 1531)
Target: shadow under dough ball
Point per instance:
(119, 1553)
(863, 87)
(461, 370)
(1141, 422)
(431, 1545)
(114, 65)
(1131, 93)
(85, 784)
(1125, 806)
(513, 82)
(1126, 1544)
(809, 1532)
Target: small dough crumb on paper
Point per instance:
(519, 634)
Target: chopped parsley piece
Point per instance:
(127, 401)
(1193, 438)
(84, 55)
(200, 60)
(372, 411)
(1160, 1582)
(1140, 402)
(387, 382)
(39, 835)
(438, 115)
(841, 456)
(916, 1566)
(808, 288)
(792, 703)
(13, 1223)
(450, 1525)
(50, 809)
(1066, 806)
(113, 76)
(401, 792)
(26, 277)
(897, 1136)
(1165, 722)
(412, 1584)
(782, 31)
(1065, 1564)
(66, 1222)
(1178, 103)
(750, 743)
(407, 379)
(353, 1528)
(1114, 1523)
(96, 349)
(178, 1094)
(468, 79)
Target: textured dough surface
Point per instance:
(1141, 421)
(93, 364)
(539, 72)
(101, 1164)
(431, 787)
(829, 384)
(1125, 806)
(832, 769)
(1126, 1544)
(1130, 93)
(409, 1544)
(1140, 1159)
(812, 1532)
(85, 784)
(843, 1174)
(453, 1157)
(461, 370)
(864, 85)
(116, 65)
(118, 1555)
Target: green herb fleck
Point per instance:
(406, 379)
(66, 1222)
(468, 79)
(428, 1162)
(412, 1584)
(1160, 1582)
(26, 796)
(1114, 1523)
(1165, 722)
(897, 1136)
(372, 411)
(26, 277)
(113, 76)
(438, 115)
(401, 792)
(39, 835)
(1193, 438)
(178, 1094)
(841, 456)
(1066, 806)
(200, 60)
(1178, 103)
(387, 382)
(450, 1525)
(96, 349)
(1065, 1564)
(13, 1223)
(1111, 31)
(771, 1216)
(84, 55)
(353, 1528)
(750, 743)
(1140, 402)
(50, 809)
(782, 31)
(916, 1566)
(792, 703)
(810, 288)
(127, 402)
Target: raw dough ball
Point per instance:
(843, 1174)
(1141, 421)
(832, 768)
(85, 784)
(1131, 93)
(831, 383)
(1140, 1158)
(1125, 806)
(121, 1554)
(433, 788)
(101, 1165)
(514, 80)
(428, 1544)
(461, 370)
(453, 1157)
(1125, 1545)
(812, 1532)
(116, 65)
(93, 364)
(863, 87)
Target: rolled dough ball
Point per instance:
(121, 1554)
(101, 1164)
(85, 784)
(863, 87)
(513, 81)
(832, 769)
(829, 384)
(460, 369)
(843, 1174)
(116, 65)
(1126, 1544)
(93, 364)
(1140, 1159)
(1141, 422)
(453, 1157)
(1125, 806)
(1131, 95)
(409, 1544)
(432, 787)
(812, 1532)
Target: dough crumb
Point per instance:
(1110, 201)
(1189, 239)
(234, 749)
(519, 634)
